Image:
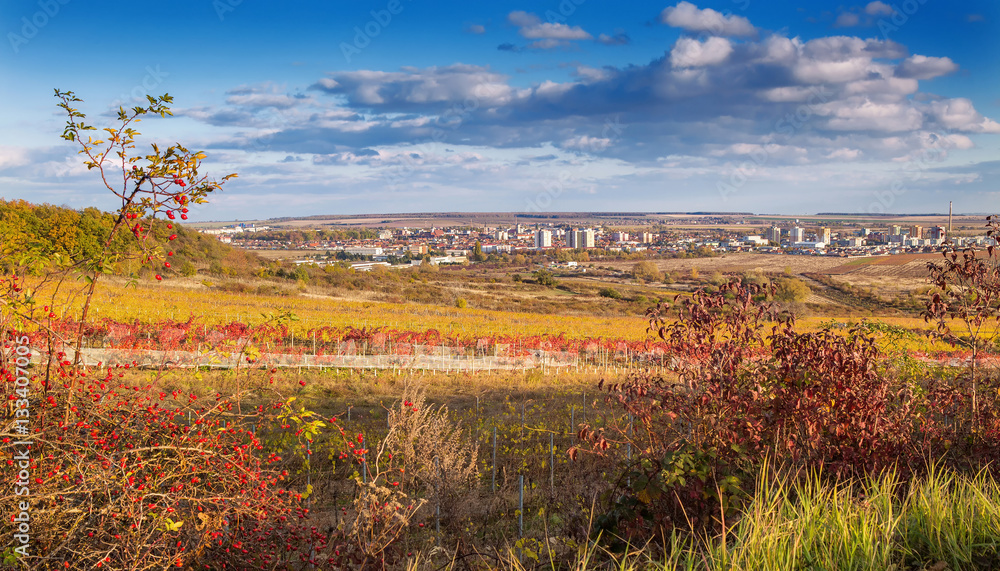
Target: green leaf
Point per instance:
(171, 525)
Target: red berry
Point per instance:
(184, 216)
(170, 226)
(173, 237)
(184, 210)
(159, 277)
(167, 264)
(170, 253)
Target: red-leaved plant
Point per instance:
(744, 385)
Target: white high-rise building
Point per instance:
(543, 239)
(797, 234)
(773, 234)
(583, 238)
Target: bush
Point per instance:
(432, 454)
(791, 290)
(139, 488)
(740, 391)
(461, 303)
(610, 292)
(187, 269)
(545, 278)
(646, 271)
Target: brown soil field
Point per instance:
(286, 254)
(889, 277)
(738, 263)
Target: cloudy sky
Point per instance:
(560, 105)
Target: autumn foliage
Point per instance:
(745, 387)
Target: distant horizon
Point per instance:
(530, 216)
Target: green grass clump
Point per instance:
(943, 520)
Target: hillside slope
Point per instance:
(44, 230)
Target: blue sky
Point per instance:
(569, 105)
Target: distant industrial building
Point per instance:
(809, 245)
(362, 251)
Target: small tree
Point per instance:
(647, 271)
(477, 252)
(545, 278)
(126, 475)
(161, 183)
(969, 281)
(791, 290)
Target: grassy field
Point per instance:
(535, 507)
(153, 302)
(526, 505)
(156, 302)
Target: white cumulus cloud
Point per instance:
(687, 16)
(689, 52)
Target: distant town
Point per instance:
(398, 247)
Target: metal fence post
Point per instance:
(437, 493)
(520, 507)
(552, 462)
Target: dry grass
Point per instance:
(156, 302)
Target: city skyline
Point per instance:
(571, 106)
